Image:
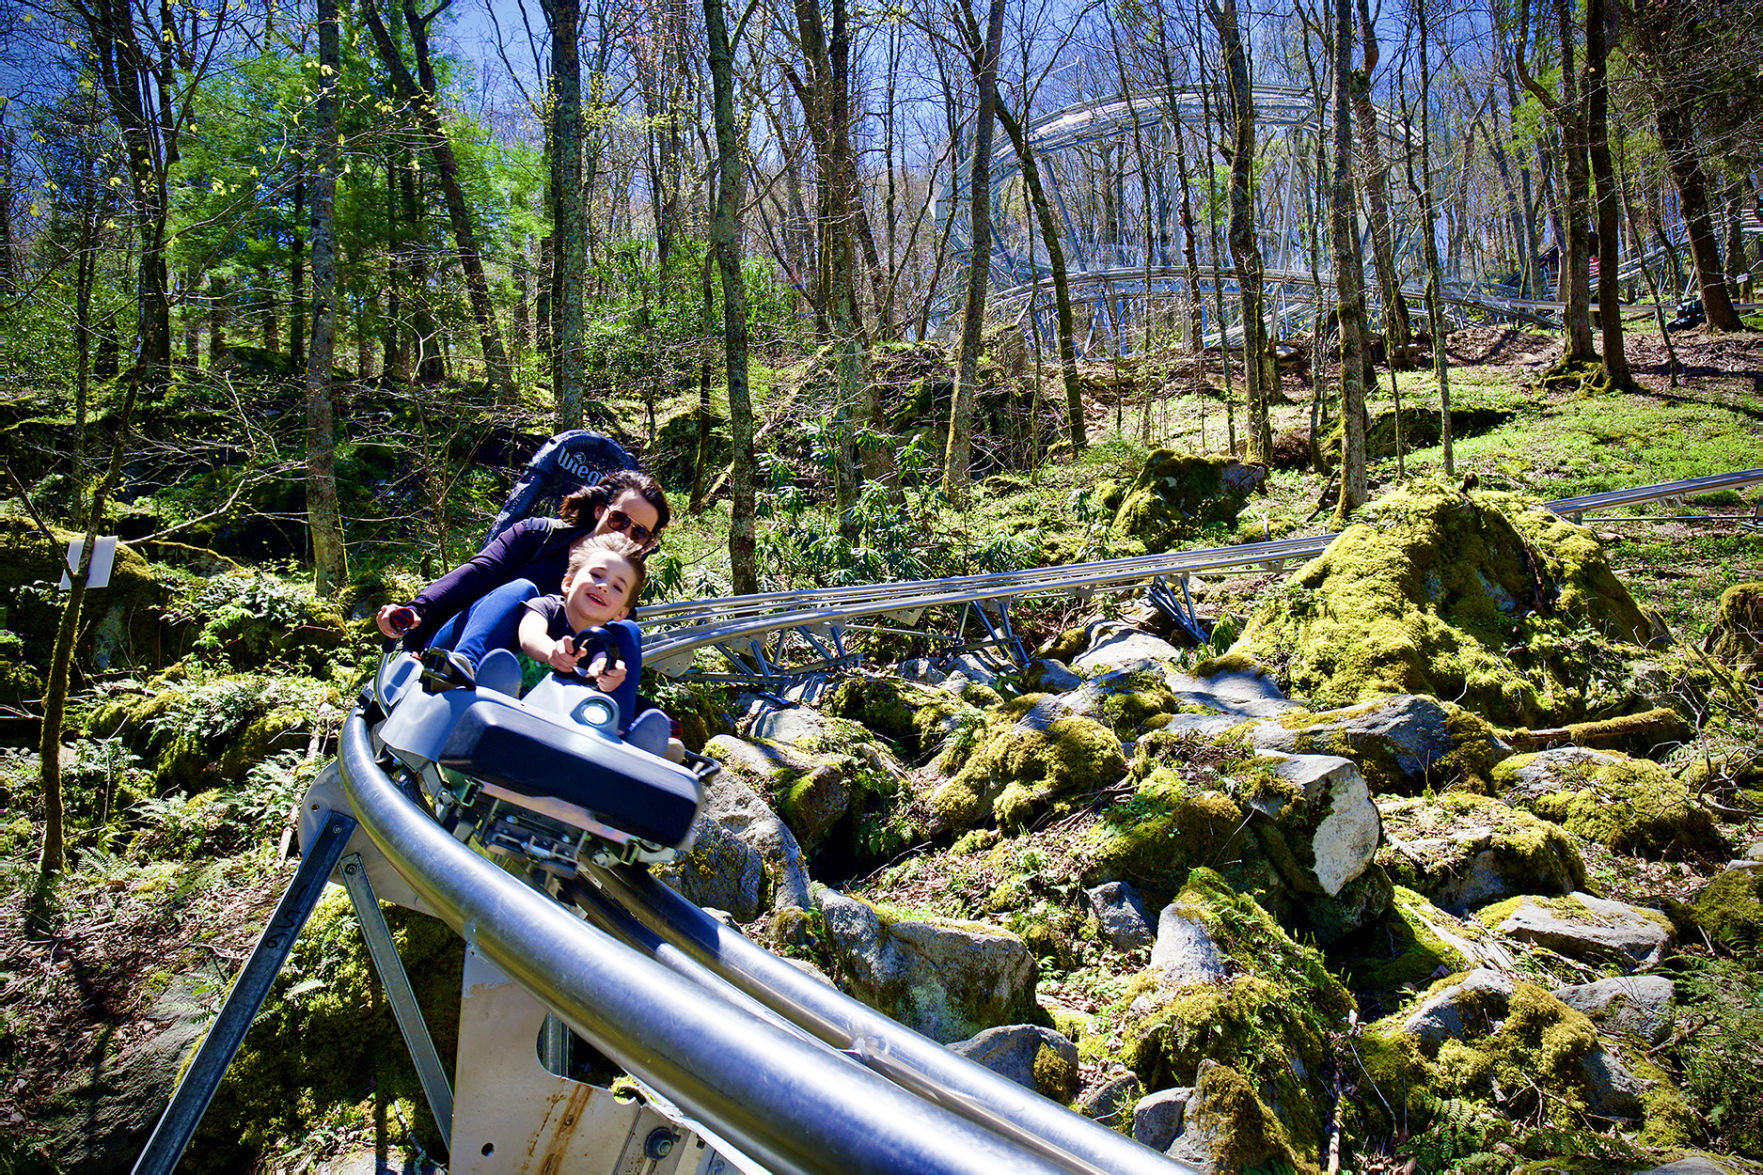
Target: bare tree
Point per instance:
(1349, 271)
(323, 515)
(958, 451)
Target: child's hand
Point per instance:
(563, 655)
(607, 679)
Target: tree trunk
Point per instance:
(725, 245)
(54, 854)
(569, 261)
(1576, 263)
(1609, 196)
(958, 452)
(1375, 171)
(1349, 275)
(419, 92)
(1435, 276)
(1243, 245)
(330, 564)
(1050, 232)
(1682, 154)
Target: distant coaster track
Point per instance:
(1119, 257)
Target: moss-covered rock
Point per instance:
(1729, 910)
(19, 680)
(121, 622)
(1510, 1042)
(945, 978)
(1227, 1127)
(1270, 1020)
(920, 719)
(1414, 944)
(1463, 850)
(1032, 751)
(1402, 745)
(200, 736)
(1738, 629)
(1435, 592)
(1176, 495)
(1627, 805)
(1180, 814)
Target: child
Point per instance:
(603, 580)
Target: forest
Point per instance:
(289, 295)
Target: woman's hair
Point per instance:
(580, 507)
(615, 544)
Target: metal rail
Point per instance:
(676, 631)
(783, 1098)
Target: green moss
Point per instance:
(1738, 628)
(1271, 1020)
(1165, 828)
(1429, 593)
(1176, 495)
(920, 719)
(1066, 645)
(1631, 806)
(1019, 767)
(1670, 1121)
(1730, 910)
(1250, 1137)
(1401, 951)
(1055, 1076)
(1510, 850)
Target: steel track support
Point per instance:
(189, 1101)
(1179, 609)
(384, 953)
(515, 1116)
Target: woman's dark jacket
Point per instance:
(533, 548)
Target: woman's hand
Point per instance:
(395, 620)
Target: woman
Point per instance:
(525, 561)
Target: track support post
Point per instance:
(189, 1101)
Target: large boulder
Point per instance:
(1227, 1127)
(948, 980)
(1034, 750)
(1644, 1005)
(1428, 593)
(1177, 495)
(1403, 744)
(917, 717)
(1415, 944)
(1181, 813)
(1485, 1031)
(721, 872)
(1597, 930)
(1316, 821)
(1240, 991)
(1627, 805)
(1039, 1058)
(122, 622)
(1463, 851)
(1114, 645)
(732, 801)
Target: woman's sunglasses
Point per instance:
(620, 521)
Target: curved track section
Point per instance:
(850, 1091)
